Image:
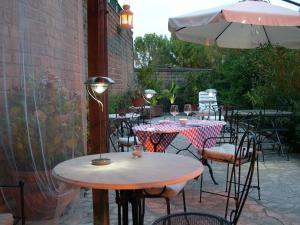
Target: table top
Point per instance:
(126, 116)
(128, 173)
(266, 112)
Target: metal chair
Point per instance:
(126, 138)
(272, 131)
(237, 154)
(20, 186)
(240, 196)
(191, 218)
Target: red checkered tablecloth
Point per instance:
(163, 133)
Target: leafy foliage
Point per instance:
(248, 78)
(41, 125)
(152, 50)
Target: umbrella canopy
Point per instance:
(246, 24)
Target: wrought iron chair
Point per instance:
(191, 218)
(166, 192)
(272, 131)
(126, 138)
(236, 152)
(21, 217)
(241, 191)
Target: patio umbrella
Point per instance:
(246, 24)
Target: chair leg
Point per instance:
(183, 199)
(227, 174)
(229, 190)
(143, 210)
(201, 183)
(257, 173)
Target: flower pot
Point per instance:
(42, 201)
(138, 102)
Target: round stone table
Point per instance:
(129, 174)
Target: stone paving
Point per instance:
(279, 204)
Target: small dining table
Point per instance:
(265, 112)
(158, 136)
(129, 176)
(127, 116)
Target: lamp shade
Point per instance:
(149, 93)
(126, 18)
(99, 84)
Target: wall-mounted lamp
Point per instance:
(95, 86)
(126, 18)
(148, 94)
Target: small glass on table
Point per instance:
(187, 109)
(137, 151)
(174, 110)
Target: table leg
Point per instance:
(100, 207)
(156, 142)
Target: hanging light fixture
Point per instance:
(126, 18)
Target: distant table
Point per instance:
(129, 175)
(160, 135)
(126, 116)
(266, 112)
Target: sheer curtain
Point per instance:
(43, 64)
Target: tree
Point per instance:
(152, 50)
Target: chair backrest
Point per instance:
(207, 102)
(245, 152)
(191, 218)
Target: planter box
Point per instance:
(156, 110)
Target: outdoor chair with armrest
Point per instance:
(167, 192)
(126, 138)
(236, 152)
(7, 218)
(197, 218)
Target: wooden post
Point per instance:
(98, 120)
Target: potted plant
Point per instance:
(138, 99)
(41, 126)
(171, 92)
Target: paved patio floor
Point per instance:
(279, 204)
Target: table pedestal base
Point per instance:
(135, 198)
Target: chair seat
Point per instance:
(223, 153)
(128, 141)
(6, 219)
(169, 192)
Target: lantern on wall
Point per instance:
(126, 18)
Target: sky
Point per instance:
(151, 16)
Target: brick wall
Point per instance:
(46, 37)
(120, 52)
(42, 37)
